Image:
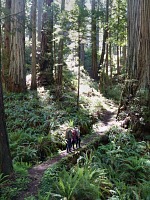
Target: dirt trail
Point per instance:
(107, 120)
(36, 173)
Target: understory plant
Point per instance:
(33, 125)
(119, 170)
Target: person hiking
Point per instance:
(74, 138)
(78, 137)
(68, 137)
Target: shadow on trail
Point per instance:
(107, 117)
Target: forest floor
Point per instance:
(104, 123)
(36, 173)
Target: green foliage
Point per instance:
(118, 170)
(11, 187)
(118, 29)
(127, 164)
(3, 180)
(33, 122)
(21, 167)
(84, 181)
(113, 92)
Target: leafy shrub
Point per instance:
(114, 92)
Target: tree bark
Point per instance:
(105, 35)
(5, 158)
(33, 78)
(60, 54)
(6, 49)
(17, 72)
(46, 57)
(94, 40)
(40, 4)
(138, 61)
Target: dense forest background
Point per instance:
(60, 62)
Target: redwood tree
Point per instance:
(17, 74)
(46, 56)
(39, 22)
(5, 158)
(6, 48)
(33, 78)
(94, 40)
(138, 43)
(61, 44)
(138, 63)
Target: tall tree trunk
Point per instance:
(106, 60)
(6, 49)
(46, 57)
(30, 23)
(79, 66)
(124, 52)
(105, 35)
(118, 61)
(5, 158)
(118, 55)
(81, 4)
(94, 40)
(138, 60)
(40, 5)
(110, 64)
(60, 51)
(138, 42)
(82, 54)
(33, 78)
(17, 73)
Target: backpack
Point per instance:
(68, 134)
(74, 134)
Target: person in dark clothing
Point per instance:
(78, 136)
(68, 138)
(74, 138)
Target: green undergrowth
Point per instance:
(36, 120)
(18, 181)
(34, 130)
(119, 170)
(113, 92)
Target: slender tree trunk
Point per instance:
(5, 158)
(81, 4)
(124, 52)
(79, 66)
(60, 54)
(82, 55)
(94, 40)
(118, 59)
(30, 25)
(105, 35)
(40, 5)
(111, 67)
(33, 78)
(106, 62)
(6, 49)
